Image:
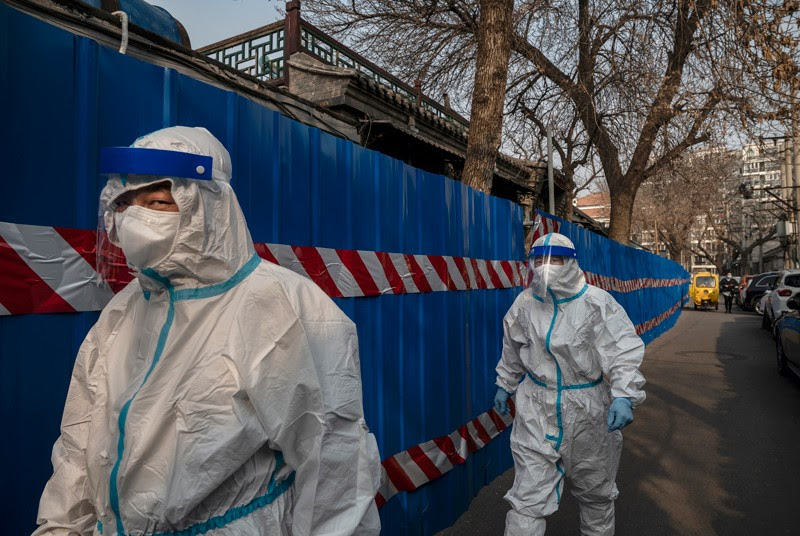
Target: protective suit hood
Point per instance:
(563, 281)
(212, 241)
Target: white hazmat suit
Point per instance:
(218, 393)
(574, 349)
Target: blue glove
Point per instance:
(619, 414)
(500, 401)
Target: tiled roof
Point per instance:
(596, 198)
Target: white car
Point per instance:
(759, 307)
(786, 285)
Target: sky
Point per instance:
(209, 21)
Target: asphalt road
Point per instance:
(714, 450)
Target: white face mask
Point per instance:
(548, 274)
(146, 236)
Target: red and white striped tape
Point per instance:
(653, 322)
(52, 269)
(49, 270)
(543, 226)
(629, 285)
(423, 463)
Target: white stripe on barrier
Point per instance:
(375, 269)
(498, 268)
(455, 275)
(399, 261)
(286, 257)
(430, 273)
(485, 274)
(473, 432)
(411, 469)
(387, 489)
(339, 273)
(473, 281)
(488, 424)
(435, 454)
(4, 311)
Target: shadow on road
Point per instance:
(759, 426)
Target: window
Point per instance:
(766, 281)
(792, 280)
(705, 281)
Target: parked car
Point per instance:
(786, 285)
(756, 288)
(759, 306)
(742, 287)
(787, 340)
(738, 280)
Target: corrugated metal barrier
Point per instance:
(427, 358)
(425, 266)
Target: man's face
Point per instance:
(728, 275)
(554, 260)
(155, 197)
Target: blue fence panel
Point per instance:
(427, 359)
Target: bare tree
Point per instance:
(494, 48)
(648, 80)
(530, 116)
(667, 209)
(695, 206)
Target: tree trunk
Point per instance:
(745, 262)
(488, 97)
(674, 252)
(622, 198)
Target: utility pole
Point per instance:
(551, 191)
(796, 168)
(655, 225)
(745, 266)
(787, 193)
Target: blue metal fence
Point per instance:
(427, 359)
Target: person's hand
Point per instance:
(620, 414)
(501, 401)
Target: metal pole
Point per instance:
(745, 266)
(796, 175)
(655, 230)
(551, 192)
(787, 196)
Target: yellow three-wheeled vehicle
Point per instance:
(704, 290)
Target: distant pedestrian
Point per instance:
(727, 286)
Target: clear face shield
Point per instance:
(131, 169)
(550, 266)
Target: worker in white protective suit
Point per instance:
(217, 394)
(572, 356)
